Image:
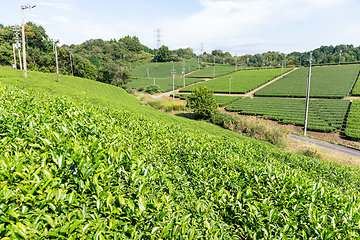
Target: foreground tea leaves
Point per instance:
(75, 171)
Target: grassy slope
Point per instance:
(100, 94)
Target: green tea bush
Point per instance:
(71, 170)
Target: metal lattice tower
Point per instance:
(158, 38)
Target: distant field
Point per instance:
(163, 70)
(209, 71)
(356, 89)
(221, 100)
(326, 82)
(165, 84)
(241, 81)
(324, 114)
(353, 121)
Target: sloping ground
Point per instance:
(71, 170)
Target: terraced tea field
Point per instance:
(73, 170)
(353, 121)
(241, 82)
(208, 72)
(326, 82)
(324, 114)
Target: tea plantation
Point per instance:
(241, 82)
(208, 72)
(70, 169)
(324, 114)
(326, 82)
(352, 129)
(162, 75)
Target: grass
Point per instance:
(326, 82)
(241, 82)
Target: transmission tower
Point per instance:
(158, 38)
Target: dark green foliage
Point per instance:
(352, 129)
(152, 89)
(202, 102)
(163, 54)
(325, 115)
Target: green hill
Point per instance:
(83, 160)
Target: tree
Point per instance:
(202, 102)
(163, 54)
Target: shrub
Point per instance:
(251, 128)
(152, 89)
(202, 102)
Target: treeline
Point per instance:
(323, 55)
(104, 61)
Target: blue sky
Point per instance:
(235, 26)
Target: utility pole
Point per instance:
(130, 65)
(173, 77)
(72, 70)
(340, 56)
(285, 60)
(214, 67)
(230, 85)
(28, 6)
(300, 60)
(307, 95)
(247, 63)
(184, 72)
(235, 62)
(56, 59)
